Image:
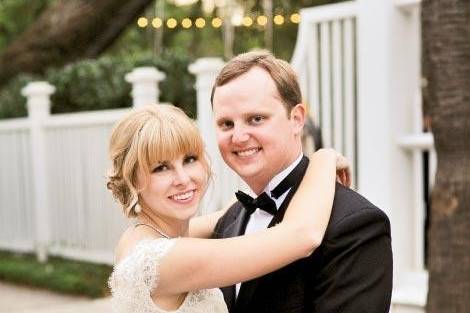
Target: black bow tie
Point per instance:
(263, 202)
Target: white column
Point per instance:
(144, 82)
(388, 69)
(38, 103)
(206, 70)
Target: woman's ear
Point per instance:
(297, 117)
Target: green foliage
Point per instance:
(100, 84)
(12, 103)
(57, 274)
(90, 85)
(16, 15)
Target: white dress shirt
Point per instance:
(260, 219)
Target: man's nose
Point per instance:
(240, 134)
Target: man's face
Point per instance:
(256, 136)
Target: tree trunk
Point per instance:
(66, 31)
(446, 65)
(268, 31)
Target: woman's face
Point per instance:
(175, 187)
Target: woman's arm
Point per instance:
(194, 264)
(203, 226)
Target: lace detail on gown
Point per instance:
(134, 278)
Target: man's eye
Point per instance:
(257, 119)
(190, 159)
(226, 124)
(160, 168)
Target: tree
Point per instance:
(66, 31)
(446, 68)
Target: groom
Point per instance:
(259, 115)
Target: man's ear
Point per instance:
(297, 117)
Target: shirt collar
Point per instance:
(280, 176)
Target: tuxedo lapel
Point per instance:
(235, 228)
(248, 288)
(299, 174)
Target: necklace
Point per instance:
(155, 229)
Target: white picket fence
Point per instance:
(53, 198)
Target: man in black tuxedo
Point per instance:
(259, 118)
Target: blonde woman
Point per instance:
(163, 262)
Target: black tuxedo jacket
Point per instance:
(351, 272)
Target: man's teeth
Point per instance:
(247, 152)
(183, 196)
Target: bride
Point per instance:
(164, 263)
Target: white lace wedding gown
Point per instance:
(134, 278)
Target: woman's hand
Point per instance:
(343, 168)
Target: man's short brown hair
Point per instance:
(280, 71)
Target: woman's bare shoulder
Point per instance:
(129, 239)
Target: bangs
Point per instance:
(166, 139)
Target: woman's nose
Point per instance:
(181, 176)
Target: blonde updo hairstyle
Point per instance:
(143, 138)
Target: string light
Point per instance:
(247, 21)
(295, 18)
(142, 22)
(200, 22)
(216, 22)
(186, 23)
(171, 23)
(157, 22)
(278, 19)
(237, 18)
(262, 20)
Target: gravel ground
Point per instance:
(19, 299)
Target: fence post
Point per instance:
(388, 78)
(38, 105)
(206, 70)
(144, 82)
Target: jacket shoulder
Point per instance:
(349, 207)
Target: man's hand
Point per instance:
(343, 170)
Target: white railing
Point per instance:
(324, 59)
(411, 289)
(360, 84)
(16, 202)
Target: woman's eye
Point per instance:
(160, 168)
(190, 159)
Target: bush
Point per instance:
(90, 85)
(12, 103)
(99, 84)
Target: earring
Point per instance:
(137, 208)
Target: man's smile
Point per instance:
(247, 152)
